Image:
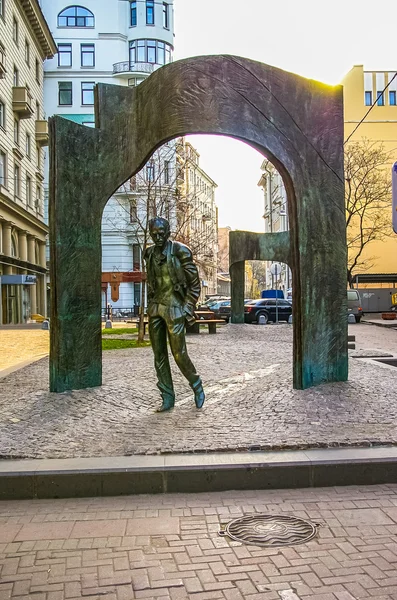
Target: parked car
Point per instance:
(354, 304)
(216, 308)
(225, 310)
(267, 308)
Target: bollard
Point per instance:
(351, 318)
(45, 324)
(108, 325)
(290, 319)
(261, 320)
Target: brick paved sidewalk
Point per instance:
(247, 372)
(167, 547)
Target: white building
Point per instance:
(25, 43)
(114, 42)
(276, 220)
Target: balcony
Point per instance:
(42, 133)
(126, 69)
(22, 102)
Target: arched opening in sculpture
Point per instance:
(296, 123)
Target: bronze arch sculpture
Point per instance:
(297, 123)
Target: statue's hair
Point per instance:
(159, 221)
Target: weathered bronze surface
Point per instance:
(173, 290)
(297, 123)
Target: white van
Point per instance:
(354, 304)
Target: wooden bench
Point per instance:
(212, 323)
(351, 342)
(204, 317)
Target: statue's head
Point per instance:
(159, 230)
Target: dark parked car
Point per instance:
(267, 308)
(225, 310)
(217, 308)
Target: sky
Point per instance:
(316, 39)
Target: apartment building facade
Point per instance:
(25, 42)
(362, 89)
(275, 220)
(197, 215)
(112, 42)
(121, 43)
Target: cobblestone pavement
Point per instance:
(20, 345)
(167, 547)
(250, 404)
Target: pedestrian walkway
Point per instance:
(167, 547)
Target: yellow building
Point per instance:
(25, 43)
(361, 90)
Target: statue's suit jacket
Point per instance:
(183, 274)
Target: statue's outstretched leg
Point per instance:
(176, 334)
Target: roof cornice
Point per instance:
(40, 27)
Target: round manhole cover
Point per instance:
(270, 530)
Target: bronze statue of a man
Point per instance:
(173, 290)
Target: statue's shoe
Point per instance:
(168, 402)
(199, 396)
(164, 407)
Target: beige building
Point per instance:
(198, 215)
(25, 42)
(276, 220)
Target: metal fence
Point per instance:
(119, 313)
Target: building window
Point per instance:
(133, 211)
(27, 53)
(368, 98)
(133, 14)
(64, 55)
(2, 59)
(76, 16)
(65, 93)
(17, 180)
(150, 51)
(150, 171)
(166, 15)
(380, 98)
(16, 131)
(37, 111)
(28, 145)
(149, 12)
(392, 98)
(87, 55)
(3, 168)
(2, 115)
(16, 77)
(38, 198)
(166, 171)
(28, 190)
(15, 30)
(2, 8)
(37, 68)
(38, 157)
(87, 93)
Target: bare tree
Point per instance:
(158, 190)
(368, 199)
